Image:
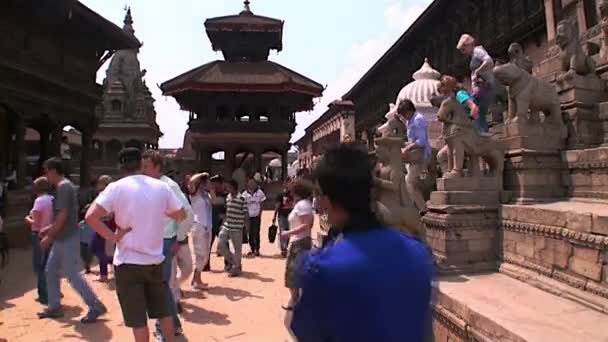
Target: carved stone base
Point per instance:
(603, 117)
(533, 136)
(582, 89)
(584, 126)
(532, 176)
(464, 240)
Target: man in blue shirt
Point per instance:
(372, 283)
(417, 152)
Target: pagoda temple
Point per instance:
(126, 115)
(245, 104)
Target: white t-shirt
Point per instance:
(254, 202)
(141, 203)
(201, 205)
(302, 208)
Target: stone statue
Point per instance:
(574, 61)
(393, 127)
(528, 93)
(394, 205)
(517, 57)
(462, 138)
(603, 9)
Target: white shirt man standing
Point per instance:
(152, 162)
(139, 204)
(254, 197)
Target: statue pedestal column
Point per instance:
(579, 98)
(533, 165)
(603, 117)
(462, 224)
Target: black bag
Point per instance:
(272, 232)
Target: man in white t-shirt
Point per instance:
(254, 197)
(140, 205)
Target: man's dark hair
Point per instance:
(130, 159)
(154, 156)
(406, 106)
(344, 175)
(55, 164)
(234, 184)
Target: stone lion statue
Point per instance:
(393, 202)
(528, 93)
(574, 61)
(462, 138)
(517, 57)
(393, 127)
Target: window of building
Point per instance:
(116, 106)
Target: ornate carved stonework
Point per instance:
(128, 105)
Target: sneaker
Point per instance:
(227, 267)
(93, 314)
(250, 254)
(51, 313)
(284, 254)
(256, 253)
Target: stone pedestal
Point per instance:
(579, 98)
(461, 225)
(533, 166)
(603, 117)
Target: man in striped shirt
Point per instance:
(232, 229)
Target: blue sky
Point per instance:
(333, 42)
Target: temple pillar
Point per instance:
(229, 161)
(55, 145)
(284, 163)
(43, 145)
(257, 160)
(550, 19)
(20, 162)
(205, 160)
(85, 156)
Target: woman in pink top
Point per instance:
(40, 216)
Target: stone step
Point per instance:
(495, 307)
(574, 214)
(465, 197)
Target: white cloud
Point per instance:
(398, 15)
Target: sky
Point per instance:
(332, 42)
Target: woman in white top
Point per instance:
(201, 197)
(301, 220)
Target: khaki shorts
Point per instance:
(142, 293)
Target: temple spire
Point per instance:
(247, 8)
(128, 27)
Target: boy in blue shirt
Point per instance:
(372, 283)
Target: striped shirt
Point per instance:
(236, 211)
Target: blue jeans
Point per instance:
(484, 101)
(39, 258)
(64, 259)
(167, 264)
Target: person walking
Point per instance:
(140, 205)
(234, 225)
(152, 162)
(482, 77)
(99, 243)
(201, 198)
(254, 197)
(64, 236)
(218, 212)
(417, 151)
(301, 219)
(283, 206)
(39, 217)
(372, 283)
